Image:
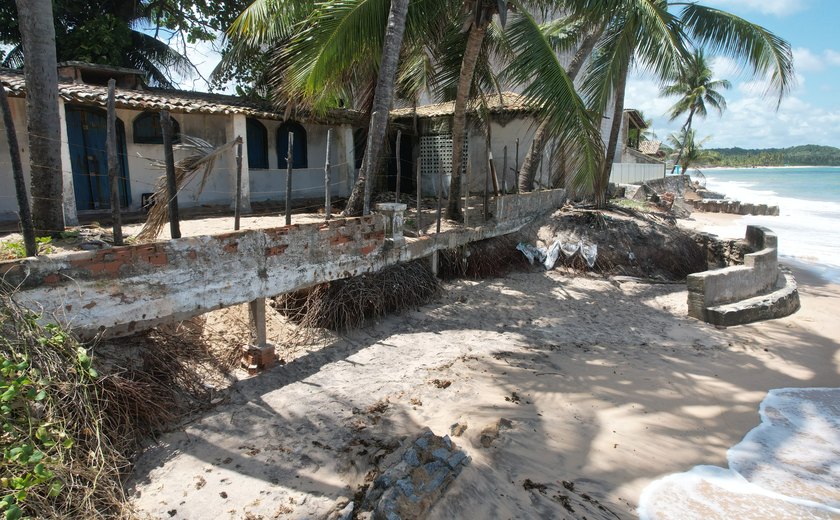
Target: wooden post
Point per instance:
(237, 204)
(327, 180)
(493, 177)
(516, 167)
(439, 199)
(487, 188)
(550, 169)
(289, 160)
(26, 226)
(504, 171)
(419, 198)
(539, 183)
(399, 165)
(171, 183)
(113, 164)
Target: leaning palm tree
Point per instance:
(697, 91)
(656, 36)
(691, 152)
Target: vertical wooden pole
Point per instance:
(493, 176)
(327, 180)
(550, 169)
(399, 165)
(26, 225)
(419, 198)
(237, 204)
(539, 183)
(171, 183)
(113, 165)
(504, 171)
(289, 160)
(440, 199)
(487, 188)
(516, 167)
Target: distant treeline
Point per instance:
(806, 155)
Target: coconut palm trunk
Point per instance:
(603, 179)
(475, 39)
(685, 130)
(35, 18)
(359, 201)
(528, 172)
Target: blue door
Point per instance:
(87, 132)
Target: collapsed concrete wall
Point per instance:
(757, 290)
(127, 289)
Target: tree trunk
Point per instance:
(603, 180)
(685, 129)
(35, 18)
(459, 120)
(26, 227)
(359, 201)
(532, 158)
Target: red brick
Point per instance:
(231, 247)
(367, 249)
(159, 259)
(276, 250)
(192, 255)
(52, 278)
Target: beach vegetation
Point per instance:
(690, 151)
(698, 92)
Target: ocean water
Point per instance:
(788, 467)
(809, 202)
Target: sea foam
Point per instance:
(787, 467)
(807, 229)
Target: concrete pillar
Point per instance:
(238, 128)
(71, 216)
(257, 308)
(394, 220)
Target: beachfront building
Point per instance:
(427, 138)
(214, 118)
(635, 160)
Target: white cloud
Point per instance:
(750, 121)
(806, 61)
(773, 7)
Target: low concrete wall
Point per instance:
(760, 275)
(734, 207)
(128, 289)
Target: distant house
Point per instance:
(635, 160)
(212, 117)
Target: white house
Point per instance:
(215, 118)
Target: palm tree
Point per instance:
(38, 40)
(359, 202)
(698, 91)
(111, 33)
(691, 152)
(656, 35)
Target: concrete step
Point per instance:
(779, 303)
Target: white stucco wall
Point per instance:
(8, 199)
(220, 187)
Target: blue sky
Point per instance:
(810, 114)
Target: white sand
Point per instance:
(608, 386)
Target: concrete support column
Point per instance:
(71, 217)
(239, 128)
(257, 308)
(394, 221)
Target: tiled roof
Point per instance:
(510, 102)
(176, 101)
(649, 147)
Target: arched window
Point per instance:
(299, 159)
(257, 144)
(147, 129)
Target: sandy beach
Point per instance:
(589, 389)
